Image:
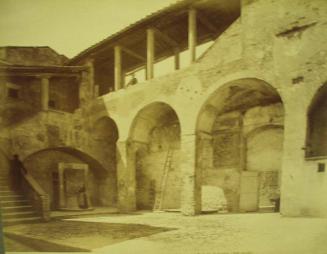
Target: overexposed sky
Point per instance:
(69, 26)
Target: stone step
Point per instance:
(12, 198)
(15, 221)
(16, 215)
(7, 192)
(5, 187)
(22, 208)
(14, 203)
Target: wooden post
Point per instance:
(91, 89)
(192, 34)
(118, 68)
(177, 60)
(45, 93)
(150, 53)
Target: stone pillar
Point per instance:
(45, 86)
(293, 173)
(204, 150)
(62, 203)
(192, 34)
(118, 68)
(191, 176)
(149, 53)
(126, 177)
(242, 144)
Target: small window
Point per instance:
(52, 104)
(13, 93)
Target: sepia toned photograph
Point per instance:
(163, 126)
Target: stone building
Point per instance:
(244, 122)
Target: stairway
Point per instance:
(160, 195)
(15, 208)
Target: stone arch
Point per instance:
(316, 144)
(230, 115)
(155, 142)
(43, 166)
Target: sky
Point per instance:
(69, 26)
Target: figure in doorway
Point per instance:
(17, 171)
(84, 203)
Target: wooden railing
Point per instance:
(38, 197)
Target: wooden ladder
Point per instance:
(159, 198)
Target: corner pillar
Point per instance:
(126, 176)
(191, 176)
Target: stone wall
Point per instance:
(41, 56)
(44, 165)
(263, 150)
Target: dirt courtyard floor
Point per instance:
(172, 233)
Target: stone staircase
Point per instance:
(15, 208)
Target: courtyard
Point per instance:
(147, 232)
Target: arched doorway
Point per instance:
(155, 136)
(317, 125)
(237, 131)
(43, 166)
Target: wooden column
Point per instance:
(45, 93)
(90, 87)
(177, 60)
(192, 34)
(149, 53)
(118, 68)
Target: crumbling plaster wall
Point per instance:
(225, 169)
(259, 45)
(44, 164)
(281, 42)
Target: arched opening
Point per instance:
(44, 165)
(105, 136)
(239, 144)
(155, 136)
(317, 125)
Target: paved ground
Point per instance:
(218, 234)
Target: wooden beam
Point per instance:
(166, 38)
(207, 23)
(134, 54)
(192, 33)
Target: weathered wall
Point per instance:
(63, 92)
(263, 150)
(32, 56)
(279, 42)
(44, 164)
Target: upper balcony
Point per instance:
(164, 40)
